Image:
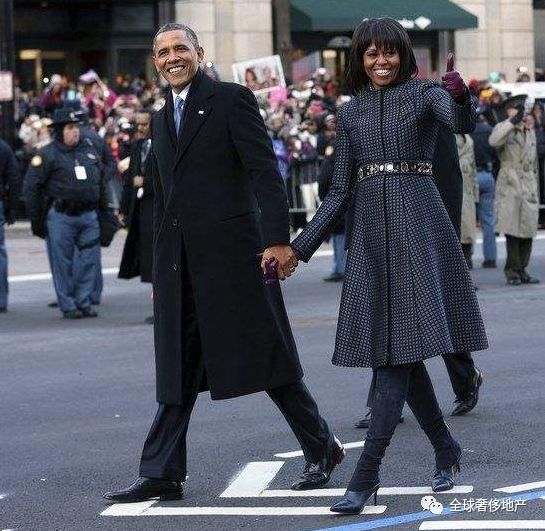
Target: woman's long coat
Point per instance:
(517, 186)
(466, 155)
(138, 250)
(407, 294)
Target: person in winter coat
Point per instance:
(466, 154)
(407, 293)
(136, 208)
(517, 190)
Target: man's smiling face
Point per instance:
(176, 58)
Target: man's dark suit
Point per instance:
(219, 200)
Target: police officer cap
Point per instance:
(514, 101)
(75, 105)
(65, 116)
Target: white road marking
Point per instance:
(253, 480)
(522, 487)
(127, 509)
(482, 524)
(299, 453)
(122, 509)
(47, 276)
(383, 491)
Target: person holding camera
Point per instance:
(65, 188)
(517, 189)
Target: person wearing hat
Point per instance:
(64, 189)
(517, 189)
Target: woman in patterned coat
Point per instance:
(407, 294)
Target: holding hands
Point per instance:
(452, 82)
(278, 262)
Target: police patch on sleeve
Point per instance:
(36, 161)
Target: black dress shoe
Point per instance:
(364, 422)
(527, 279)
(317, 474)
(147, 488)
(3, 309)
(88, 312)
(72, 314)
(353, 501)
(466, 403)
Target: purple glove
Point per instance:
(271, 268)
(453, 82)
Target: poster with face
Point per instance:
(260, 75)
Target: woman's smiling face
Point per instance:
(381, 65)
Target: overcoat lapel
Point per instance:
(196, 113)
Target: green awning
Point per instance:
(344, 15)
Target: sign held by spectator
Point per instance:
(6, 86)
(261, 75)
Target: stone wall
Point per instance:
(229, 30)
(503, 41)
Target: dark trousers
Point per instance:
(518, 256)
(164, 454)
(395, 385)
(461, 371)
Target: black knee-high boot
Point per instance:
(366, 475)
(447, 450)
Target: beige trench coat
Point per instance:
(517, 187)
(466, 154)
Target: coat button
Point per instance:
(175, 222)
(175, 267)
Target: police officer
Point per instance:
(64, 189)
(9, 173)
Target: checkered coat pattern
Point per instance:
(407, 294)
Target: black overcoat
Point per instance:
(218, 193)
(138, 250)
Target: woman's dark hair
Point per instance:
(384, 33)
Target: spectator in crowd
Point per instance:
(9, 180)
(54, 95)
(495, 111)
(484, 160)
(136, 209)
(466, 155)
(517, 194)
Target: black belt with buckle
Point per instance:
(422, 167)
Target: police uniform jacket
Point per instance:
(51, 176)
(218, 193)
(466, 155)
(137, 206)
(407, 293)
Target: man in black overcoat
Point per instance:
(219, 201)
(464, 377)
(136, 207)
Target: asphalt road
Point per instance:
(77, 399)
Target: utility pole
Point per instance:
(282, 25)
(7, 123)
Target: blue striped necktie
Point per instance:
(178, 108)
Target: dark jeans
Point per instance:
(518, 256)
(164, 454)
(394, 386)
(461, 371)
